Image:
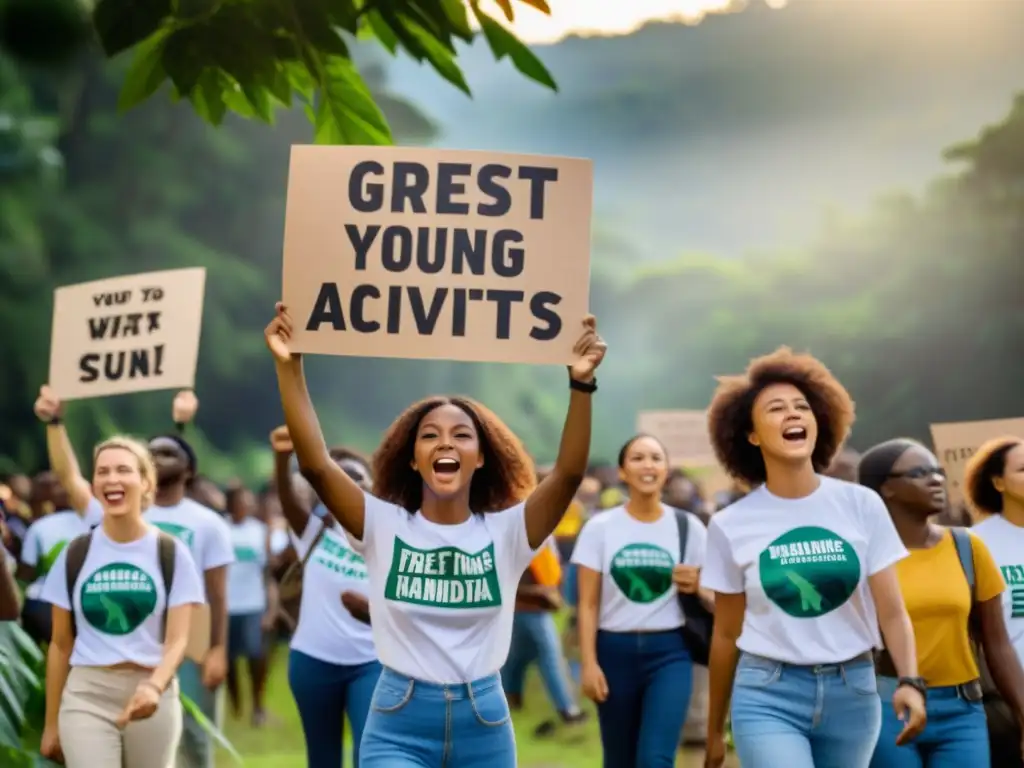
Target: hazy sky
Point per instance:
(604, 17)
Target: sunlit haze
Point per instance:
(605, 17)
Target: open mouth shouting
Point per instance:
(795, 435)
(446, 468)
(113, 496)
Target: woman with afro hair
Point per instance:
(452, 523)
(803, 574)
(994, 486)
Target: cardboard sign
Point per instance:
(956, 442)
(437, 254)
(683, 433)
(127, 334)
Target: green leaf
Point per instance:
(208, 97)
(183, 59)
(540, 5)
(440, 57)
(382, 31)
(346, 113)
(503, 43)
(122, 24)
(146, 72)
(204, 722)
(456, 12)
(506, 8)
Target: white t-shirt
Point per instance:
(1006, 543)
(119, 599)
(803, 564)
(635, 560)
(206, 534)
(442, 596)
(93, 514)
(247, 584)
(44, 541)
(326, 630)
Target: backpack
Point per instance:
(77, 551)
(700, 622)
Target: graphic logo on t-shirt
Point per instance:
(642, 571)
(186, 535)
(47, 559)
(443, 578)
(246, 555)
(1013, 575)
(808, 572)
(340, 559)
(117, 598)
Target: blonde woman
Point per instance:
(122, 600)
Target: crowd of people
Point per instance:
(828, 611)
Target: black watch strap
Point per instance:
(917, 683)
(583, 386)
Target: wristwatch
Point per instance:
(917, 683)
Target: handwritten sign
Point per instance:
(127, 334)
(956, 442)
(437, 254)
(683, 433)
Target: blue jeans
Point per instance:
(413, 723)
(649, 677)
(196, 747)
(324, 693)
(823, 716)
(956, 735)
(245, 636)
(535, 638)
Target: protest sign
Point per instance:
(437, 254)
(127, 334)
(956, 442)
(683, 433)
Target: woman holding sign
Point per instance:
(451, 525)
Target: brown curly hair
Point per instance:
(988, 461)
(730, 416)
(506, 478)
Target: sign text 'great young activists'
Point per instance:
(127, 334)
(438, 254)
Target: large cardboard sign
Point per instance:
(956, 442)
(684, 434)
(127, 334)
(437, 254)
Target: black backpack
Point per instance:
(78, 549)
(700, 622)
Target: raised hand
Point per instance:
(184, 407)
(47, 406)
(279, 333)
(281, 441)
(589, 351)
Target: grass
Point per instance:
(279, 744)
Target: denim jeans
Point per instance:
(535, 638)
(649, 677)
(822, 716)
(324, 694)
(196, 748)
(413, 723)
(956, 735)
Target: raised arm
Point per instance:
(49, 410)
(295, 512)
(548, 503)
(339, 493)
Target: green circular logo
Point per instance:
(117, 598)
(642, 571)
(808, 572)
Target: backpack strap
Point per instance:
(77, 550)
(965, 552)
(167, 555)
(683, 524)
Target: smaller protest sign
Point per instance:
(684, 433)
(956, 442)
(134, 333)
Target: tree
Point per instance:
(252, 58)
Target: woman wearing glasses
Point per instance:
(934, 581)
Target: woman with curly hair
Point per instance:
(949, 577)
(994, 486)
(452, 523)
(632, 569)
(803, 573)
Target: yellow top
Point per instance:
(571, 521)
(939, 602)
